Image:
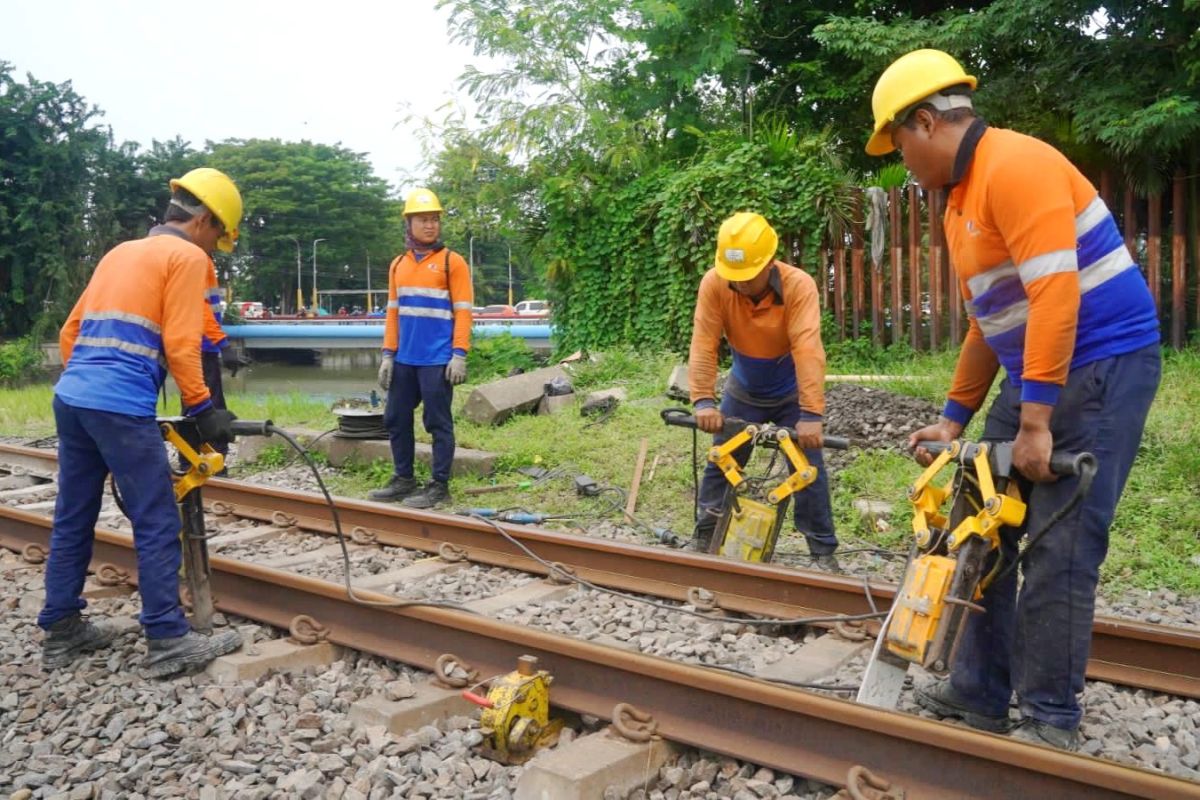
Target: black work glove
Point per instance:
(231, 360)
(216, 425)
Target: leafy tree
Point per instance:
(48, 145)
(295, 192)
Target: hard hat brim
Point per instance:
(880, 143)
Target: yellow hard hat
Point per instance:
(422, 201)
(219, 195)
(910, 79)
(745, 244)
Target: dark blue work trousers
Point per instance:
(813, 511)
(411, 387)
(1036, 641)
(92, 444)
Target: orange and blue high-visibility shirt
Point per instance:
(776, 342)
(429, 308)
(139, 317)
(214, 339)
(1048, 282)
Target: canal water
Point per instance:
(325, 382)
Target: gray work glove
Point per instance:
(385, 371)
(456, 370)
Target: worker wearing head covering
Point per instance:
(1054, 297)
(140, 318)
(426, 338)
(768, 312)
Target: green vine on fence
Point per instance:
(629, 252)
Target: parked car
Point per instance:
(250, 310)
(533, 308)
(497, 311)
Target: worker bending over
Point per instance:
(425, 342)
(139, 318)
(1054, 297)
(768, 312)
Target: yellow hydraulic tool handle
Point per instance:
(201, 466)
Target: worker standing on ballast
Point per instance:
(1053, 296)
(769, 313)
(425, 342)
(139, 318)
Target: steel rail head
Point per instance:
(818, 736)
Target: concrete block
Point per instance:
(248, 448)
(588, 766)
(495, 402)
(414, 573)
(872, 509)
(677, 384)
(430, 704)
(18, 481)
(275, 654)
(555, 404)
(329, 552)
(533, 592)
(244, 537)
(815, 660)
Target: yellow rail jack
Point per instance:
(515, 720)
(753, 513)
(203, 463)
(948, 570)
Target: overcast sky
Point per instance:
(344, 72)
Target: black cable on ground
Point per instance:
(337, 525)
(554, 570)
(366, 426)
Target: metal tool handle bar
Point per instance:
(1061, 462)
(680, 418)
(251, 427)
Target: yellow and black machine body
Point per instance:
(946, 576)
(955, 556)
(754, 510)
(515, 716)
(952, 562)
(203, 462)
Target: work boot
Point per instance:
(397, 489)
(941, 699)
(702, 533)
(1043, 733)
(435, 493)
(168, 656)
(71, 637)
(825, 561)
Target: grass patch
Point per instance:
(1155, 540)
(27, 411)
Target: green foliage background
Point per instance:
(629, 254)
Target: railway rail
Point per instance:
(798, 732)
(1125, 652)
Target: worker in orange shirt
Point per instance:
(138, 319)
(425, 342)
(1053, 296)
(768, 312)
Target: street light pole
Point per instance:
(510, 293)
(299, 281)
(315, 306)
(370, 304)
